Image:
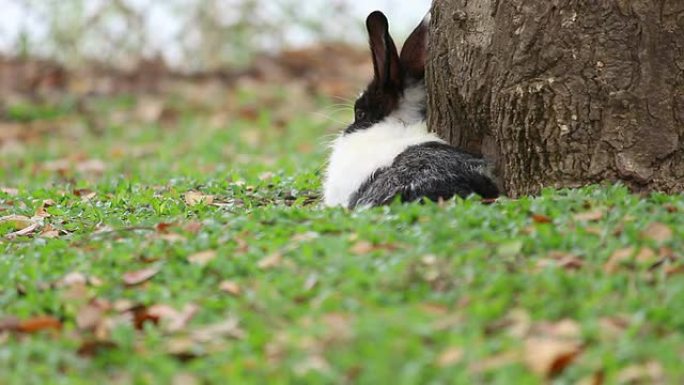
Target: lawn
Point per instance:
(182, 241)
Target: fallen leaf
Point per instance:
(89, 317)
(18, 222)
(613, 327)
(617, 258)
(194, 198)
(133, 278)
(141, 316)
(185, 379)
(91, 166)
(548, 356)
(589, 216)
(658, 232)
(493, 363)
(9, 324)
(648, 373)
(94, 347)
(9, 191)
(193, 227)
(39, 324)
(271, 261)
(173, 320)
(85, 194)
(203, 258)
(230, 328)
(362, 248)
(597, 378)
(230, 287)
(450, 357)
(541, 219)
(73, 279)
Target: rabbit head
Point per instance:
(398, 86)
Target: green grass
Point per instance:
(370, 297)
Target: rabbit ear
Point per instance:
(414, 52)
(385, 56)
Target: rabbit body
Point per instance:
(388, 152)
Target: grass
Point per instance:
(526, 291)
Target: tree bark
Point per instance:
(562, 93)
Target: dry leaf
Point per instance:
(85, 194)
(229, 328)
(450, 357)
(589, 216)
(133, 278)
(493, 363)
(18, 222)
(94, 347)
(548, 357)
(658, 232)
(89, 317)
(185, 379)
(172, 319)
(194, 198)
(203, 258)
(9, 191)
(541, 219)
(230, 287)
(617, 258)
(648, 373)
(362, 247)
(38, 324)
(273, 260)
(597, 378)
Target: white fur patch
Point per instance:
(356, 156)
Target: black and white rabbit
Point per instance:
(387, 152)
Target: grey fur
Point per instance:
(430, 170)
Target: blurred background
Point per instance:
(86, 84)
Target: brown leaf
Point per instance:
(39, 324)
(597, 378)
(133, 278)
(94, 347)
(271, 261)
(450, 357)
(230, 287)
(193, 227)
(541, 219)
(362, 248)
(9, 324)
(648, 373)
(194, 198)
(9, 191)
(493, 363)
(617, 258)
(658, 232)
(202, 258)
(18, 222)
(230, 328)
(89, 317)
(164, 228)
(589, 216)
(613, 327)
(185, 379)
(549, 357)
(85, 194)
(172, 319)
(141, 316)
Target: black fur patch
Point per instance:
(430, 170)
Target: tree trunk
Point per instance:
(562, 93)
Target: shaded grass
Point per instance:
(373, 296)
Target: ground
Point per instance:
(181, 241)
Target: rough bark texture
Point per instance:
(562, 93)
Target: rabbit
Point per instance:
(387, 152)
